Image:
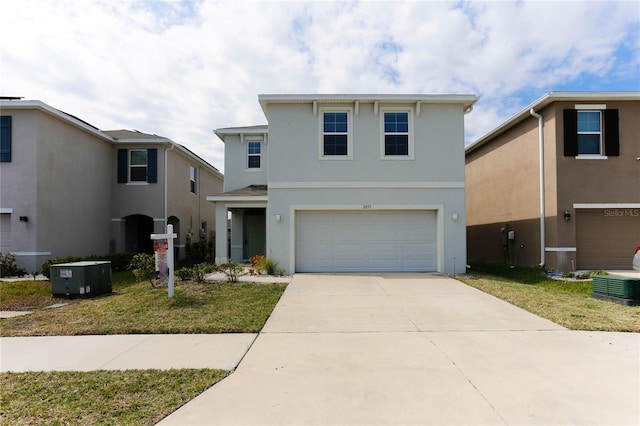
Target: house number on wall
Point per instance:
(366, 206)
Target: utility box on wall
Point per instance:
(88, 278)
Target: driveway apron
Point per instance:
(402, 349)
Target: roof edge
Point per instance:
(547, 99)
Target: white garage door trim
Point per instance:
(437, 209)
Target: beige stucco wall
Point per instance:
(502, 178)
(191, 209)
(55, 169)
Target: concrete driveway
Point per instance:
(418, 349)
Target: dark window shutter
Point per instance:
(152, 167)
(123, 161)
(5, 139)
(570, 132)
(611, 133)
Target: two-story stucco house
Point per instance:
(70, 189)
(348, 183)
(558, 184)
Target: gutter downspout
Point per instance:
(166, 184)
(542, 206)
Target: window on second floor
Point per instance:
(138, 165)
(5, 139)
(254, 155)
(335, 137)
(591, 132)
(192, 179)
(397, 140)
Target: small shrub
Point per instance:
(232, 270)
(201, 269)
(568, 275)
(8, 266)
(270, 266)
(263, 265)
(256, 262)
(184, 274)
(143, 266)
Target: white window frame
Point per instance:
(349, 133)
(130, 166)
(410, 114)
(592, 108)
(248, 142)
(193, 180)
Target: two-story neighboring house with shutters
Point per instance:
(348, 183)
(71, 189)
(558, 184)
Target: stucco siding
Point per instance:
(138, 198)
(71, 170)
(294, 146)
(451, 237)
(235, 164)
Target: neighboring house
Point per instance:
(70, 189)
(587, 215)
(340, 183)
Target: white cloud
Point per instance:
(182, 69)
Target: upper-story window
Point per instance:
(335, 141)
(138, 165)
(193, 179)
(397, 137)
(254, 155)
(591, 131)
(5, 139)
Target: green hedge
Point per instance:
(119, 261)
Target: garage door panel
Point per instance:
(606, 241)
(366, 241)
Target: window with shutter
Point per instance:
(5, 139)
(590, 133)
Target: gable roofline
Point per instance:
(546, 100)
(61, 115)
(259, 130)
(111, 136)
(466, 100)
(136, 137)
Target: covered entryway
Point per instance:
(138, 230)
(360, 241)
(606, 238)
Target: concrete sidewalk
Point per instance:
(123, 352)
(418, 349)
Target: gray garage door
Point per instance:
(361, 241)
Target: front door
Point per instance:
(254, 233)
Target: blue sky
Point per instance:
(183, 68)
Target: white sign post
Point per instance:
(169, 236)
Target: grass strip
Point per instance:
(567, 303)
(132, 397)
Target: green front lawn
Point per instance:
(133, 397)
(136, 308)
(567, 303)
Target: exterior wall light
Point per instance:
(567, 215)
(278, 217)
(24, 219)
(454, 216)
